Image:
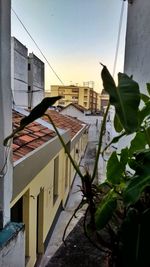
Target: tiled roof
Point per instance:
(64, 122)
(35, 134)
(79, 107)
(30, 138)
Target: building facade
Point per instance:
(43, 176)
(35, 80)
(12, 236)
(27, 76)
(19, 73)
(81, 95)
(137, 49)
(104, 99)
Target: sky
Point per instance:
(74, 36)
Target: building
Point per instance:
(12, 235)
(35, 80)
(137, 49)
(43, 176)
(93, 120)
(19, 73)
(27, 76)
(104, 99)
(81, 95)
(75, 111)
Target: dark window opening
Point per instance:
(17, 211)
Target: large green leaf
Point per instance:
(117, 125)
(125, 97)
(144, 112)
(105, 210)
(139, 142)
(148, 88)
(140, 180)
(124, 158)
(114, 169)
(135, 188)
(144, 97)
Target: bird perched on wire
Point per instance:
(35, 113)
(39, 110)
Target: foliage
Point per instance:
(128, 175)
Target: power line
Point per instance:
(118, 38)
(37, 46)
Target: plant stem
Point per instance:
(100, 141)
(65, 147)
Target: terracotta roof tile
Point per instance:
(30, 138)
(35, 134)
(64, 122)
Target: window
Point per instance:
(17, 211)
(74, 97)
(55, 180)
(75, 90)
(29, 66)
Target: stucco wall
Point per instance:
(137, 50)
(35, 80)
(13, 252)
(19, 72)
(37, 194)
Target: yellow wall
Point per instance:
(83, 97)
(40, 190)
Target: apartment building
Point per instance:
(43, 176)
(104, 99)
(35, 80)
(27, 76)
(19, 73)
(81, 95)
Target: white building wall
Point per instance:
(137, 50)
(73, 112)
(35, 80)
(12, 254)
(12, 249)
(19, 72)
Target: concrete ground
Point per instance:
(73, 201)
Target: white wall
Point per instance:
(19, 72)
(35, 80)
(12, 254)
(137, 50)
(72, 111)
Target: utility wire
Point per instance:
(118, 38)
(37, 46)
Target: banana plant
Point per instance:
(127, 174)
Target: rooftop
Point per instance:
(79, 107)
(30, 138)
(36, 134)
(65, 122)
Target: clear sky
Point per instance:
(74, 35)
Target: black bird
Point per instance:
(39, 110)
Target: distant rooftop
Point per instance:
(79, 107)
(64, 122)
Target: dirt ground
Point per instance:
(78, 252)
